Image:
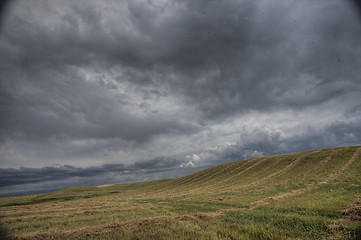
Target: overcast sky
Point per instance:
(101, 92)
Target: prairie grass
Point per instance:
(310, 195)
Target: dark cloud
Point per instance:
(206, 51)
(3, 10)
(56, 106)
(93, 83)
(12, 176)
(357, 4)
(14, 181)
(231, 56)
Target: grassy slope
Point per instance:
(310, 195)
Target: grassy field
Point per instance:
(309, 195)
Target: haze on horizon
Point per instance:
(107, 92)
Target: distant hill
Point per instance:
(308, 195)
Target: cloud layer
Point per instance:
(101, 84)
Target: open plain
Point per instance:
(308, 195)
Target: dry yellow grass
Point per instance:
(310, 195)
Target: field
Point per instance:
(309, 195)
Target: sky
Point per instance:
(109, 92)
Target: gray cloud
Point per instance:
(54, 106)
(262, 141)
(13, 181)
(12, 176)
(211, 53)
(252, 143)
(89, 83)
(203, 51)
(357, 5)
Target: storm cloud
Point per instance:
(182, 84)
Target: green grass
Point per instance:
(296, 196)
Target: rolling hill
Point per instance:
(308, 195)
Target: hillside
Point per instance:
(309, 195)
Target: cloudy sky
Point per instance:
(101, 92)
